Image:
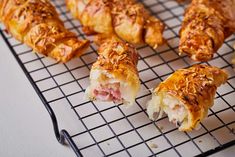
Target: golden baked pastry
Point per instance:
(187, 95)
(114, 76)
(37, 24)
(126, 19)
(207, 23)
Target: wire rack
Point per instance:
(106, 129)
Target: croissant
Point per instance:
(114, 76)
(186, 95)
(207, 23)
(127, 19)
(37, 24)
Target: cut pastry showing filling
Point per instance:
(114, 75)
(186, 96)
(173, 107)
(108, 92)
(105, 87)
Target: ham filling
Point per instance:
(108, 92)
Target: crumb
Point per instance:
(200, 141)
(151, 90)
(233, 59)
(232, 131)
(108, 144)
(6, 31)
(152, 145)
(161, 127)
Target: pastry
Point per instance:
(126, 19)
(114, 75)
(186, 95)
(207, 23)
(37, 24)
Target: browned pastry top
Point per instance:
(127, 19)
(37, 24)
(192, 83)
(118, 58)
(28, 13)
(195, 87)
(206, 25)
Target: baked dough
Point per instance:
(187, 95)
(207, 23)
(114, 76)
(37, 24)
(127, 19)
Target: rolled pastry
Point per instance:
(207, 23)
(37, 24)
(126, 19)
(114, 75)
(186, 95)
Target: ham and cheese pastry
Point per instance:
(207, 23)
(114, 75)
(37, 24)
(127, 19)
(186, 95)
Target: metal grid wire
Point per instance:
(106, 129)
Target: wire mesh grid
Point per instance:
(106, 129)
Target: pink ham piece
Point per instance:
(109, 92)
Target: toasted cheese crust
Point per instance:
(37, 24)
(207, 23)
(119, 59)
(126, 19)
(195, 88)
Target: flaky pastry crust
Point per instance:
(195, 87)
(119, 59)
(207, 23)
(127, 19)
(37, 24)
(114, 76)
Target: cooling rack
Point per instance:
(106, 129)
